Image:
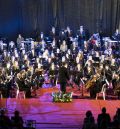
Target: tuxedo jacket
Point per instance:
(63, 74)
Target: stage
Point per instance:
(58, 115)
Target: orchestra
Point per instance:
(90, 63)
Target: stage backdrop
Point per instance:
(31, 16)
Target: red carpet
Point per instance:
(57, 115)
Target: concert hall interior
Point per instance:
(59, 64)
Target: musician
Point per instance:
(46, 54)
(74, 47)
(32, 54)
(39, 36)
(116, 84)
(32, 84)
(53, 33)
(8, 83)
(102, 71)
(30, 71)
(86, 47)
(32, 45)
(97, 46)
(69, 35)
(89, 61)
(115, 79)
(68, 32)
(52, 74)
(21, 83)
(8, 68)
(97, 86)
(108, 51)
(108, 73)
(1, 46)
(63, 46)
(95, 81)
(19, 41)
(15, 67)
(39, 78)
(53, 58)
(92, 41)
(89, 69)
(11, 46)
(79, 75)
(54, 45)
(62, 35)
(26, 64)
(113, 65)
(19, 80)
(81, 37)
(42, 45)
(80, 55)
(96, 59)
(5, 57)
(116, 35)
(63, 77)
(15, 53)
(2, 84)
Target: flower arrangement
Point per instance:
(61, 97)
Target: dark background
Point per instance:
(28, 16)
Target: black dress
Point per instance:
(78, 76)
(52, 75)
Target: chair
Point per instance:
(103, 92)
(12, 93)
(20, 94)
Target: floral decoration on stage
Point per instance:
(61, 97)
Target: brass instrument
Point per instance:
(91, 82)
(19, 76)
(39, 71)
(117, 87)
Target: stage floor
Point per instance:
(51, 115)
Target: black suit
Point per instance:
(53, 35)
(108, 74)
(63, 77)
(31, 55)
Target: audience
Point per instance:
(5, 122)
(116, 119)
(103, 119)
(115, 125)
(117, 116)
(89, 122)
(17, 121)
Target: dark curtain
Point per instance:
(33, 16)
(94, 15)
(36, 16)
(9, 18)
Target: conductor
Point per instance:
(63, 77)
